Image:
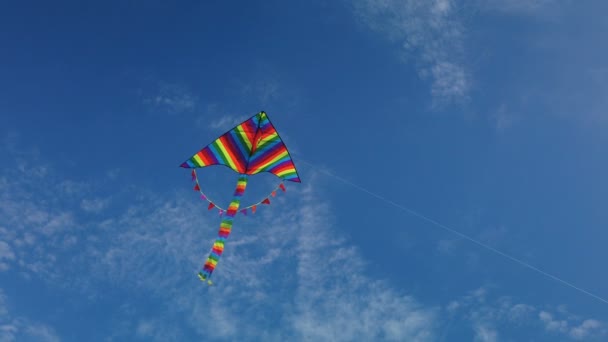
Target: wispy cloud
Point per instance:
(93, 205)
(172, 99)
(6, 254)
(39, 223)
(218, 118)
(588, 328)
(517, 6)
(334, 308)
(287, 272)
(430, 33)
(17, 328)
(491, 317)
(157, 245)
(502, 118)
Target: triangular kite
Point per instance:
(251, 147)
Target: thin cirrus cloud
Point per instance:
(492, 319)
(517, 6)
(17, 328)
(430, 34)
(287, 272)
(156, 245)
(318, 295)
(171, 99)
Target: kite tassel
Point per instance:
(204, 278)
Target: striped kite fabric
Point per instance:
(224, 232)
(251, 147)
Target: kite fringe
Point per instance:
(252, 208)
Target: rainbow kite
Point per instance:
(251, 147)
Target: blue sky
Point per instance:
(486, 116)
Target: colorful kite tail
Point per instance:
(224, 232)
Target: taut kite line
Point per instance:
(251, 147)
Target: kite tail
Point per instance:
(225, 227)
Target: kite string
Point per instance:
(204, 196)
(455, 232)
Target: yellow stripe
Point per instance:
(241, 132)
(198, 160)
(285, 172)
(226, 154)
(268, 139)
(282, 155)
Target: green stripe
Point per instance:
(219, 152)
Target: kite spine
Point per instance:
(224, 231)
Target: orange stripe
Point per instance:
(231, 155)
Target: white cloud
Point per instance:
(585, 329)
(6, 253)
(335, 302)
(487, 316)
(172, 99)
(306, 284)
(449, 81)
(3, 308)
(502, 118)
(94, 205)
(156, 330)
(431, 34)
(31, 213)
(517, 6)
(287, 272)
(16, 328)
(226, 122)
(217, 118)
(552, 324)
(568, 326)
(41, 332)
(484, 333)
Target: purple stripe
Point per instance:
(254, 160)
(215, 154)
(237, 149)
(279, 163)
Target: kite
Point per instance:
(253, 146)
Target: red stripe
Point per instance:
(261, 163)
(208, 156)
(203, 157)
(288, 166)
(230, 149)
(249, 129)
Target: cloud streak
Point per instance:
(159, 245)
(287, 273)
(492, 318)
(430, 33)
(16, 328)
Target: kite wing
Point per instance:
(251, 147)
